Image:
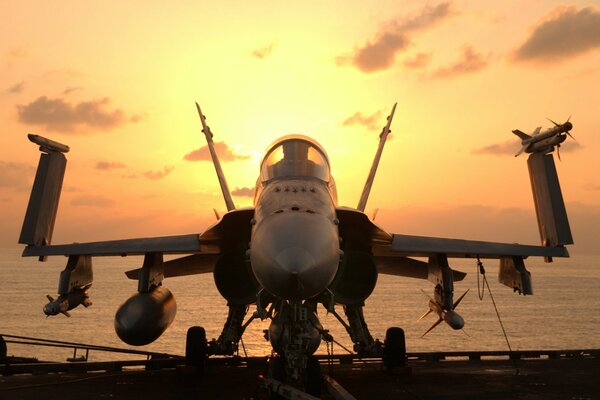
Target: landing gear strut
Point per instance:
(227, 343)
(295, 334)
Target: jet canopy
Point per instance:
(295, 156)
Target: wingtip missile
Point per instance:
(48, 144)
(545, 142)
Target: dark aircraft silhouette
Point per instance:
(294, 249)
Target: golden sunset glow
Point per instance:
(117, 81)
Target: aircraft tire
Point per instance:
(2, 349)
(196, 348)
(394, 349)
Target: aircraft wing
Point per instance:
(425, 246)
(233, 227)
(166, 244)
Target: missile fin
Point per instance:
(522, 135)
(439, 321)
(520, 151)
(459, 299)
(424, 315)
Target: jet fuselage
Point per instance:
(295, 248)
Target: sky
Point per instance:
(117, 82)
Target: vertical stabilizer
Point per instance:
(382, 138)
(220, 175)
(40, 216)
(549, 205)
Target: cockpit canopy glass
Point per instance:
(295, 158)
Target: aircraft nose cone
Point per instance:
(295, 260)
(454, 320)
(51, 309)
(295, 256)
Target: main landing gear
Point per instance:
(295, 334)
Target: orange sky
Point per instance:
(117, 82)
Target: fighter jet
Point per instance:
(544, 142)
(294, 250)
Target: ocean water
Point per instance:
(563, 313)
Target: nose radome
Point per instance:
(295, 260)
(294, 256)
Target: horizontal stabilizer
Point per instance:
(189, 265)
(408, 267)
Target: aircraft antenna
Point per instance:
(213, 154)
(382, 138)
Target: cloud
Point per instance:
(19, 52)
(16, 175)
(223, 151)
(379, 53)
(509, 147)
(59, 115)
(512, 147)
(470, 62)
(92, 201)
(370, 121)
(160, 174)
(565, 32)
(420, 60)
(108, 165)
(570, 146)
(70, 89)
(17, 88)
(263, 52)
(243, 192)
(135, 118)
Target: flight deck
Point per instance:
(551, 374)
